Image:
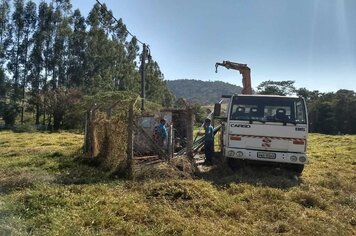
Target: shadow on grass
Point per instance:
(55, 168)
(274, 176)
(13, 180)
(80, 170)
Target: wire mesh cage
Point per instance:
(119, 135)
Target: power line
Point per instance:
(127, 31)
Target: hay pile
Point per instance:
(110, 143)
(177, 168)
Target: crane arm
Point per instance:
(244, 70)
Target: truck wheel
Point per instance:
(235, 164)
(298, 169)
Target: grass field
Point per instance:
(47, 189)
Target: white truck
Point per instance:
(266, 128)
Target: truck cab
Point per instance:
(266, 128)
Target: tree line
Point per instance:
(51, 56)
(329, 113)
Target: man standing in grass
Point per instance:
(209, 141)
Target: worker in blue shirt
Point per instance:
(209, 141)
(161, 134)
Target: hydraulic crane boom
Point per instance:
(243, 69)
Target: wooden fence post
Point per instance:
(86, 132)
(189, 132)
(130, 138)
(170, 142)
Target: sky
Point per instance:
(312, 42)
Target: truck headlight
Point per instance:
(293, 158)
(239, 154)
(231, 153)
(302, 159)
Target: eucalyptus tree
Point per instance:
(156, 88)
(129, 75)
(15, 51)
(101, 54)
(61, 34)
(4, 26)
(77, 51)
(37, 62)
(4, 43)
(47, 29)
(59, 60)
(30, 19)
(41, 58)
(47, 12)
(96, 38)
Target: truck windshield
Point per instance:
(268, 109)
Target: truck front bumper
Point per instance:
(263, 155)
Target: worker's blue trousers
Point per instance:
(209, 150)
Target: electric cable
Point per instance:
(117, 21)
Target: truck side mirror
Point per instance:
(217, 109)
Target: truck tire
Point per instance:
(297, 168)
(235, 164)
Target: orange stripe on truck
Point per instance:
(267, 139)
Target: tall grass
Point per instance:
(46, 188)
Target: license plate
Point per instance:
(266, 155)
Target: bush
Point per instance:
(9, 112)
(24, 128)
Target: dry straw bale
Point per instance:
(110, 142)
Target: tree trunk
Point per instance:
(37, 114)
(24, 81)
(57, 120)
(16, 75)
(44, 116)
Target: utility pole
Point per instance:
(143, 93)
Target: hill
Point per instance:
(205, 92)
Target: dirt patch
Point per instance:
(177, 168)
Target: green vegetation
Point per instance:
(51, 56)
(329, 113)
(47, 188)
